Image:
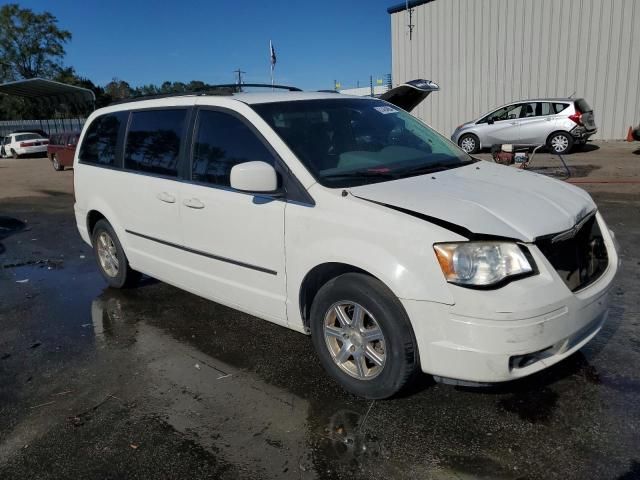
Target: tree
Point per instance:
(31, 44)
(69, 76)
(118, 89)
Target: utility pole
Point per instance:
(239, 72)
(410, 25)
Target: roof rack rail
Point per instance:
(262, 85)
(223, 89)
(141, 98)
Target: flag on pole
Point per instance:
(272, 52)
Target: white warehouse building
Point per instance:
(485, 53)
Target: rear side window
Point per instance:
(100, 140)
(558, 107)
(153, 141)
(222, 141)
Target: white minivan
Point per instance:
(348, 219)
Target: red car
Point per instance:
(62, 149)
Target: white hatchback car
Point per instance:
(348, 219)
(25, 143)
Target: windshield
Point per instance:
(348, 142)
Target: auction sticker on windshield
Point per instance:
(385, 109)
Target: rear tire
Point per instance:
(14, 154)
(469, 143)
(110, 256)
(371, 353)
(56, 164)
(559, 143)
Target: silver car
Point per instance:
(558, 123)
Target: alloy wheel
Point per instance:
(355, 340)
(107, 254)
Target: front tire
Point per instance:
(14, 154)
(469, 143)
(559, 143)
(363, 336)
(111, 259)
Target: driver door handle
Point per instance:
(194, 203)
(166, 197)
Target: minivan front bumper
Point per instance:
(508, 333)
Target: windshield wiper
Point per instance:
(434, 167)
(362, 174)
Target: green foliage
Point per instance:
(31, 44)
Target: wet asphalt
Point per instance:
(154, 382)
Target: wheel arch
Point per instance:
(472, 134)
(564, 132)
(319, 276)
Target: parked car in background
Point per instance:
(62, 149)
(42, 133)
(18, 144)
(635, 133)
(558, 123)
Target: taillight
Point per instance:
(23, 144)
(576, 117)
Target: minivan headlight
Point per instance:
(482, 264)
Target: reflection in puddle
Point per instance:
(251, 423)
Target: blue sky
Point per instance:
(153, 41)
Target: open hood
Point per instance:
(486, 199)
(409, 95)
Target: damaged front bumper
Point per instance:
(508, 333)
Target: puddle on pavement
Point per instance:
(255, 394)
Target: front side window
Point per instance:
(348, 142)
(510, 112)
(153, 141)
(222, 141)
(100, 139)
(529, 110)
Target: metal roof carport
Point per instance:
(52, 94)
(42, 89)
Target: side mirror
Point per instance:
(254, 177)
(491, 121)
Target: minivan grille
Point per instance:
(580, 258)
